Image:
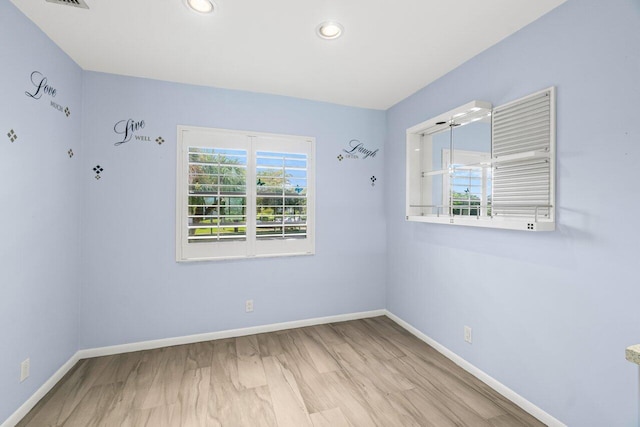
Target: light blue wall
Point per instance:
(40, 209)
(551, 312)
(133, 290)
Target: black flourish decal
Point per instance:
(127, 128)
(41, 85)
(357, 147)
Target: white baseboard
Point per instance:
(40, 393)
(482, 376)
(231, 333)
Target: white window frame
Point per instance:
(252, 142)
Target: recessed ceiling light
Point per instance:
(330, 30)
(201, 6)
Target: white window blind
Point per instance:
(243, 194)
(281, 195)
(217, 204)
(522, 138)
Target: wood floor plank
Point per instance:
(351, 402)
(269, 345)
(230, 403)
(329, 418)
(92, 410)
(505, 421)
(321, 357)
(139, 384)
(250, 369)
(288, 404)
(384, 376)
(381, 340)
(199, 355)
(328, 335)
(374, 391)
(362, 373)
(192, 406)
(442, 412)
(166, 378)
(224, 398)
(310, 382)
(257, 408)
(346, 355)
(153, 417)
(438, 383)
(363, 343)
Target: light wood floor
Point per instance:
(360, 373)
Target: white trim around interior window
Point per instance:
(242, 194)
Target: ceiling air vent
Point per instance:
(74, 3)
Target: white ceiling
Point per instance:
(389, 49)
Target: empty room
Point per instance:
(331, 213)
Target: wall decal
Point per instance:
(12, 135)
(160, 140)
(59, 108)
(373, 181)
(128, 128)
(70, 153)
(260, 183)
(41, 86)
(340, 157)
(98, 170)
(356, 149)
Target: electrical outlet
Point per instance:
(248, 305)
(24, 369)
(467, 334)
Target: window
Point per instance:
(243, 194)
(467, 186)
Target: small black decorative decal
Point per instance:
(12, 135)
(160, 140)
(373, 181)
(340, 157)
(298, 189)
(260, 183)
(98, 170)
(70, 153)
(67, 111)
